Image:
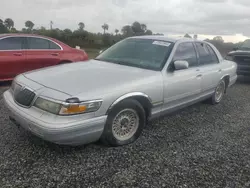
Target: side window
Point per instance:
(11, 43)
(214, 57)
(206, 54)
(54, 46)
(185, 51)
(38, 43)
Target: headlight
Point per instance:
(229, 57)
(13, 85)
(48, 105)
(67, 108)
(79, 108)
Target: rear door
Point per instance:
(42, 52)
(12, 57)
(209, 66)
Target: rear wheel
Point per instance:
(219, 92)
(124, 124)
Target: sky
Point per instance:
(207, 18)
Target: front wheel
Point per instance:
(124, 124)
(219, 93)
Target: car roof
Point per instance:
(20, 34)
(164, 38)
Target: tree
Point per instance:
(136, 27)
(105, 27)
(187, 36)
(81, 26)
(148, 32)
(3, 29)
(127, 30)
(218, 39)
(13, 30)
(9, 23)
(29, 24)
(116, 31)
(144, 27)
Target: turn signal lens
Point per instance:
(73, 109)
(84, 107)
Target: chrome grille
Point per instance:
(22, 96)
(242, 60)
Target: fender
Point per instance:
(129, 95)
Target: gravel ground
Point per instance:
(200, 146)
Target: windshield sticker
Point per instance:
(161, 43)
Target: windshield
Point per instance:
(142, 53)
(245, 45)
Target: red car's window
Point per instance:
(11, 43)
(40, 44)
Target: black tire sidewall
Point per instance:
(108, 136)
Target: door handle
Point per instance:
(17, 54)
(199, 75)
(54, 54)
(219, 70)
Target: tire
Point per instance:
(218, 93)
(128, 114)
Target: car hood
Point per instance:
(239, 52)
(88, 77)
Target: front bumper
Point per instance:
(243, 70)
(72, 133)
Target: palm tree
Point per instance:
(29, 24)
(116, 31)
(81, 26)
(105, 27)
(9, 23)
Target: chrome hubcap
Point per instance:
(219, 92)
(125, 124)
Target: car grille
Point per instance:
(22, 96)
(242, 60)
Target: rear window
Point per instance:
(11, 43)
(41, 44)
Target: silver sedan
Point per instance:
(112, 97)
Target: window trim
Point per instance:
(196, 54)
(22, 45)
(208, 51)
(26, 44)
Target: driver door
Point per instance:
(182, 87)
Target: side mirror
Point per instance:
(179, 65)
(235, 49)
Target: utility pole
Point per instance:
(51, 24)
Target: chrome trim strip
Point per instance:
(133, 94)
(32, 49)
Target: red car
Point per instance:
(22, 52)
